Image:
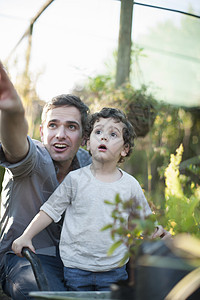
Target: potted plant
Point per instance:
(139, 105)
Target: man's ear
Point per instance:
(41, 133)
(125, 151)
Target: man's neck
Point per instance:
(63, 168)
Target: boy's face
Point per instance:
(61, 132)
(106, 141)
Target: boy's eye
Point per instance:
(113, 134)
(98, 131)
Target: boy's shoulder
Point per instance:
(129, 177)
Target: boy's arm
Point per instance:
(13, 124)
(39, 222)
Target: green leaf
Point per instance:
(117, 199)
(109, 202)
(114, 247)
(107, 227)
(124, 259)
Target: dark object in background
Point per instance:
(156, 272)
(159, 270)
(37, 269)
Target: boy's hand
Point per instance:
(161, 232)
(20, 243)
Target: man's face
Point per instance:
(61, 132)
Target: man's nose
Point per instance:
(61, 133)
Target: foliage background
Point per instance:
(153, 64)
(172, 124)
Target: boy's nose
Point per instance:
(104, 138)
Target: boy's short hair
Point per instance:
(67, 100)
(128, 131)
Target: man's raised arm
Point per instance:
(13, 124)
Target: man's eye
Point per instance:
(72, 127)
(52, 125)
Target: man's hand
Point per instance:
(13, 124)
(161, 232)
(9, 99)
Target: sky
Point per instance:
(73, 39)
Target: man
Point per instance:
(33, 170)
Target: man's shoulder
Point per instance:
(40, 147)
(37, 143)
(83, 157)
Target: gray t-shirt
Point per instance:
(83, 245)
(26, 186)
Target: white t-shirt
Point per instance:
(83, 245)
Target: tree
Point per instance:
(124, 43)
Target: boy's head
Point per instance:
(118, 116)
(67, 100)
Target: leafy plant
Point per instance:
(182, 199)
(182, 212)
(131, 233)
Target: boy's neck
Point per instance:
(106, 172)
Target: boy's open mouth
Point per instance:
(102, 147)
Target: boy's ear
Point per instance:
(84, 140)
(41, 133)
(125, 151)
(88, 144)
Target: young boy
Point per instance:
(81, 195)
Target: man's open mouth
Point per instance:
(60, 146)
